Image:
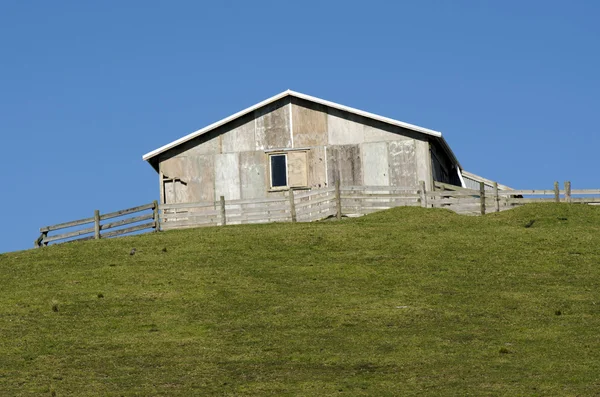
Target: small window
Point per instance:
(278, 170)
(288, 170)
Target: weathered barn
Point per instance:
(298, 141)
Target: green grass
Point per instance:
(407, 302)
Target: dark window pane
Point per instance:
(278, 171)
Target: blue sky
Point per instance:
(87, 88)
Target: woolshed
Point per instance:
(296, 141)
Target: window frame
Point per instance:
(287, 186)
(287, 179)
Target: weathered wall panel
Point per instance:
(344, 128)
(204, 144)
(317, 176)
(309, 123)
(375, 164)
(403, 166)
(239, 139)
(197, 174)
(423, 161)
(174, 167)
(273, 127)
(227, 176)
(201, 185)
(253, 174)
(345, 161)
(297, 168)
(377, 134)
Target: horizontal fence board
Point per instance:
(446, 193)
(256, 201)
(204, 204)
(310, 214)
(76, 233)
(527, 200)
(187, 224)
(149, 225)
(256, 210)
(198, 214)
(362, 211)
(313, 207)
(314, 202)
(126, 221)
(66, 225)
(391, 202)
(585, 200)
(199, 220)
(278, 217)
(527, 192)
(375, 196)
(316, 217)
(453, 201)
(585, 191)
(127, 211)
(378, 189)
(447, 186)
(277, 214)
(310, 193)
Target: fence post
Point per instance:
(556, 192)
(482, 197)
(39, 241)
(96, 224)
(338, 199)
(156, 217)
(568, 191)
(292, 205)
(423, 195)
(223, 215)
(496, 198)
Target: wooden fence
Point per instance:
(298, 206)
(312, 205)
(93, 228)
(480, 202)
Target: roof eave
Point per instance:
(150, 155)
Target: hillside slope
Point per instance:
(402, 302)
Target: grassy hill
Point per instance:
(402, 302)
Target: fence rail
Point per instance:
(308, 206)
(96, 230)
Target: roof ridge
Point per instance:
(306, 97)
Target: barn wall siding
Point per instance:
(309, 123)
(317, 167)
(423, 162)
(375, 163)
(227, 176)
(233, 160)
(344, 128)
(253, 174)
(239, 139)
(273, 126)
(403, 165)
(345, 161)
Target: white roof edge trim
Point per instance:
(366, 114)
(212, 126)
(252, 108)
(460, 176)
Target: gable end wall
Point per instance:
(232, 160)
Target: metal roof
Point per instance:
(426, 131)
